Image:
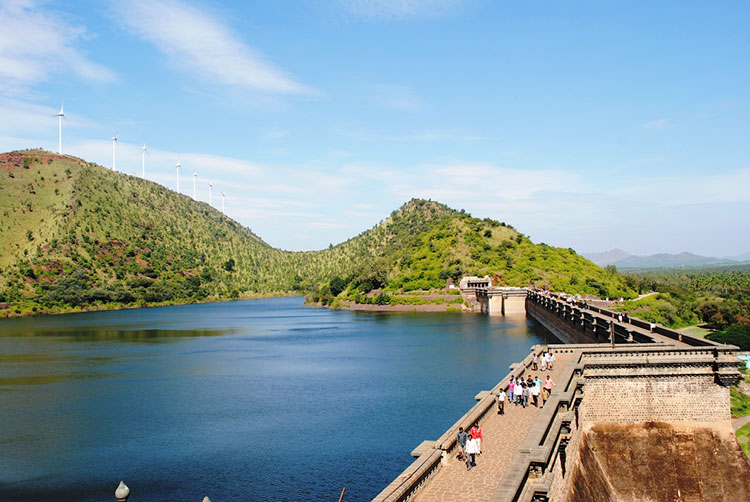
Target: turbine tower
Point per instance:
(144, 151)
(178, 166)
(195, 178)
(114, 148)
(60, 116)
(222, 202)
(210, 193)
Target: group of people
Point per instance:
(548, 361)
(469, 445)
(520, 391)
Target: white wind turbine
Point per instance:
(195, 178)
(60, 116)
(144, 151)
(114, 151)
(178, 167)
(222, 202)
(210, 193)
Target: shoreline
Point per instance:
(399, 308)
(9, 314)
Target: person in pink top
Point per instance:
(476, 433)
(548, 384)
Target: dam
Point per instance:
(638, 412)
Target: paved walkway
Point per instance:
(503, 435)
(739, 422)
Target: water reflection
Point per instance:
(124, 335)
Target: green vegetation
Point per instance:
(738, 335)
(717, 296)
(743, 438)
(76, 236)
(740, 401)
(424, 244)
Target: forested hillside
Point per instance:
(75, 235)
(424, 243)
(718, 297)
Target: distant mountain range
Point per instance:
(623, 260)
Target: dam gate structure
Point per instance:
(639, 412)
(483, 297)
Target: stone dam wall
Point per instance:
(648, 377)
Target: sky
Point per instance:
(590, 125)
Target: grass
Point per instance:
(740, 402)
(698, 331)
(743, 438)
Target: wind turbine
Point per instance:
(60, 116)
(114, 148)
(178, 166)
(144, 151)
(210, 193)
(195, 178)
(222, 202)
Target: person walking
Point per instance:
(548, 384)
(551, 359)
(461, 439)
(501, 402)
(476, 433)
(535, 393)
(534, 361)
(471, 453)
(526, 392)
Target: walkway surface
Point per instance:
(503, 435)
(739, 422)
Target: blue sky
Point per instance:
(589, 125)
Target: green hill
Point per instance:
(75, 235)
(425, 243)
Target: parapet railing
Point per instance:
(553, 302)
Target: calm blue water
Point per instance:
(241, 401)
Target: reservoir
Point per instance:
(242, 401)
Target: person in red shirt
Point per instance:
(476, 433)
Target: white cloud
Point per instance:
(36, 43)
(401, 9)
(203, 45)
(656, 125)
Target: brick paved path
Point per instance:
(503, 435)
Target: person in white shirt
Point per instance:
(471, 453)
(501, 402)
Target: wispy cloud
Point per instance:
(203, 45)
(656, 125)
(36, 43)
(401, 9)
